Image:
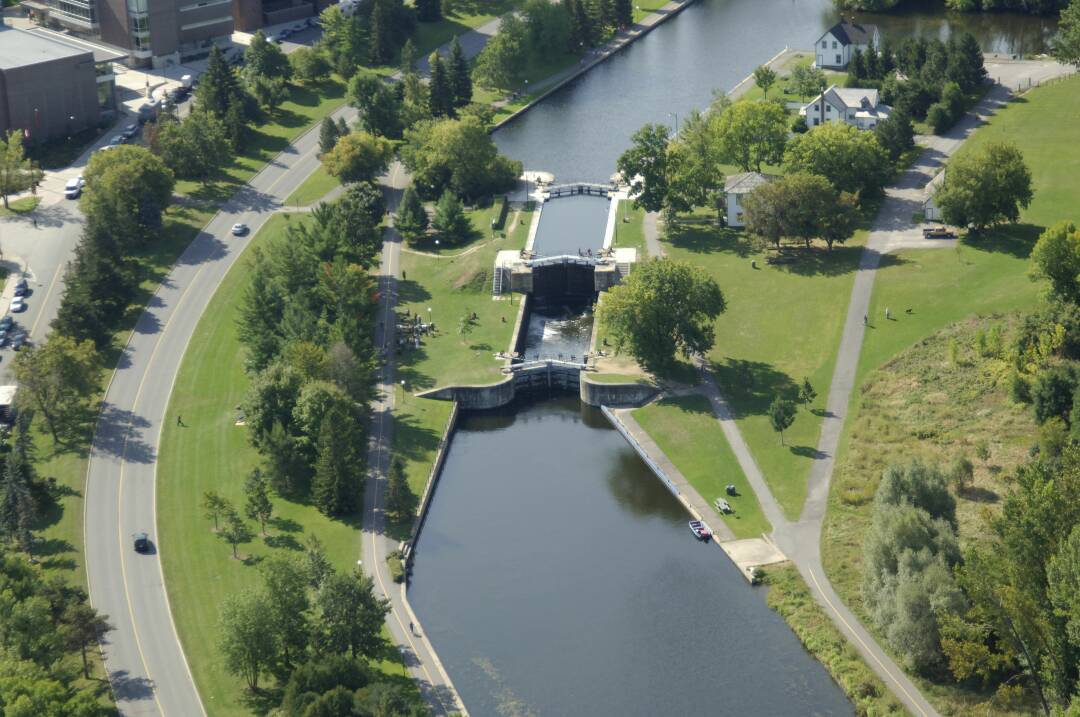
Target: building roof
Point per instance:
(933, 186)
(746, 182)
(866, 101)
(20, 48)
(850, 33)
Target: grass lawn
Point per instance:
(687, 431)
(644, 8)
(212, 453)
(459, 16)
(536, 72)
(481, 236)
(20, 206)
(306, 106)
(783, 323)
(312, 189)
(782, 89)
(630, 233)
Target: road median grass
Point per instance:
(312, 189)
(211, 452)
(686, 430)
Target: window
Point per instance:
(834, 44)
(824, 44)
(839, 60)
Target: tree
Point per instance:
(196, 147)
(428, 10)
(440, 89)
(247, 635)
(896, 134)
(358, 157)
(83, 627)
(694, 178)
(466, 323)
(380, 44)
(127, 191)
(985, 186)
(17, 504)
(218, 87)
(349, 617)
(965, 64)
(339, 467)
(781, 415)
(400, 500)
(852, 160)
(235, 530)
(286, 583)
(644, 166)
(98, 286)
(764, 77)
(378, 104)
(1065, 46)
(257, 493)
(266, 60)
(412, 218)
(269, 92)
(1056, 257)
(808, 81)
(802, 206)
(662, 308)
(214, 506)
(806, 391)
(624, 13)
(502, 61)
(918, 485)
(309, 65)
(459, 77)
(328, 135)
(1052, 394)
(961, 474)
(458, 155)
(450, 220)
(16, 174)
(343, 39)
(752, 134)
(317, 566)
(59, 376)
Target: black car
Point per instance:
(21, 287)
(141, 542)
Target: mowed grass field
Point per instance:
(210, 452)
(688, 433)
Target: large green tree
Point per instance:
(59, 376)
(644, 166)
(339, 466)
(752, 134)
(412, 219)
(247, 635)
(127, 191)
(98, 286)
(503, 60)
(852, 160)
(265, 59)
(1056, 257)
(348, 615)
(663, 308)
(358, 157)
(1066, 44)
(440, 88)
(458, 155)
(459, 75)
(196, 147)
(377, 103)
(984, 187)
(450, 220)
(286, 581)
(16, 174)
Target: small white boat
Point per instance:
(700, 530)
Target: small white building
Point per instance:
(834, 49)
(736, 187)
(931, 212)
(855, 106)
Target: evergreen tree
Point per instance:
(872, 65)
(580, 25)
(450, 219)
(338, 467)
(98, 285)
(235, 121)
(218, 86)
(16, 490)
(400, 500)
(412, 219)
(857, 67)
(460, 79)
(328, 135)
(342, 127)
(624, 13)
(440, 92)
(428, 10)
(379, 43)
(258, 506)
(408, 56)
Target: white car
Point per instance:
(239, 229)
(17, 305)
(74, 187)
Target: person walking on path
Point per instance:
(179, 421)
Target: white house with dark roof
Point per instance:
(834, 49)
(855, 106)
(736, 187)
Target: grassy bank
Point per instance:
(210, 452)
(312, 189)
(688, 433)
(789, 596)
(19, 206)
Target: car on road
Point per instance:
(141, 542)
(21, 287)
(74, 187)
(938, 233)
(130, 131)
(17, 305)
(239, 229)
(117, 140)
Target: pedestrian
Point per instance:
(411, 630)
(179, 420)
(887, 314)
(865, 319)
(403, 275)
(35, 222)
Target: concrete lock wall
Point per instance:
(475, 398)
(614, 394)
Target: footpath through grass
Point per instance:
(211, 452)
(687, 431)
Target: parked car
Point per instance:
(938, 233)
(117, 140)
(313, 22)
(239, 229)
(21, 287)
(130, 131)
(74, 187)
(283, 35)
(5, 323)
(18, 305)
(3, 338)
(18, 341)
(141, 542)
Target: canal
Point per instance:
(578, 132)
(556, 576)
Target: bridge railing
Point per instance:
(566, 190)
(545, 364)
(564, 259)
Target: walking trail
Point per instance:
(893, 228)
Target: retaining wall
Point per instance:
(475, 398)
(614, 394)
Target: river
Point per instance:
(578, 132)
(556, 576)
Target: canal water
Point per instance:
(556, 576)
(558, 330)
(578, 132)
(572, 225)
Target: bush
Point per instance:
(395, 562)
(1053, 393)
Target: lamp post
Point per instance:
(430, 324)
(403, 390)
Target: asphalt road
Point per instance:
(145, 662)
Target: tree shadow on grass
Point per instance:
(285, 542)
(412, 441)
(707, 239)
(410, 291)
(286, 525)
(819, 261)
(750, 386)
(1013, 239)
(262, 700)
(806, 452)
